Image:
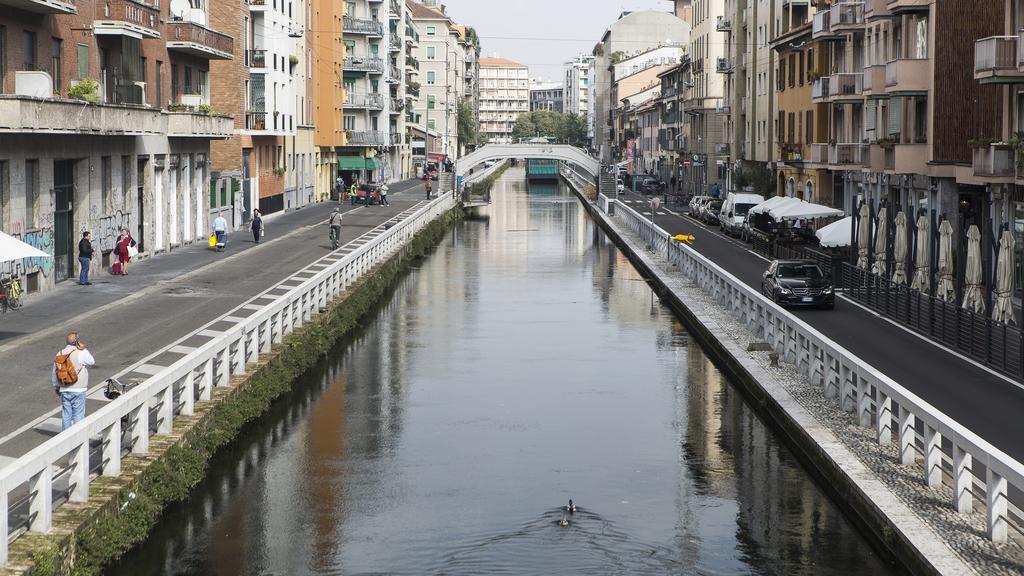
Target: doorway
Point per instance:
(141, 199)
(63, 219)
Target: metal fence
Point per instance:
(60, 469)
(997, 345)
(949, 452)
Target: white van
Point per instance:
(734, 211)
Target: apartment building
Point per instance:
(705, 98)
(106, 124)
(326, 52)
(673, 136)
(638, 73)
(446, 60)
(504, 95)
(576, 94)
(226, 76)
(400, 151)
(545, 95)
(633, 33)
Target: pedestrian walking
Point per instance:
(256, 225)
(384, 195)
(714, 190)
(339, 187)
(335, 224)
(426, 185)
(220, 229)
(85, 258)
(672, 180)
(353, 193)
(71, 379)
(125, 250)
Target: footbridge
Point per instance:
(565, 152)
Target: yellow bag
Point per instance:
(213, 240)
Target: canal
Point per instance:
(523, 363)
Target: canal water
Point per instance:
(522, 364)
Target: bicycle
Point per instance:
(334, 238)
(10, 294)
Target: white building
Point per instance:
(546, 95)
(504, 95)
(576, 98)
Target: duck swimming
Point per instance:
(571, 508)
(564, 521)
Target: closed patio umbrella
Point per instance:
(947, 291)
(863, 236)
(836, 234)
(973, 299)
(1002, 311)
(899, 249)
(881, 231)
(13, 249)
(922, 257)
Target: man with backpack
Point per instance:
(71, 379)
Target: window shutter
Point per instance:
(870, 114)
(895, 116)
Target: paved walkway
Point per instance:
(983, 401)
(166, 297)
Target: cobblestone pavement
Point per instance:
(963, 533)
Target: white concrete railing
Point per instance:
(871, 395)
(125, 423)
(563, 152)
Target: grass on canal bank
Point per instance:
(124, 509)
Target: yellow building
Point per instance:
(802, 125)
(328, 51)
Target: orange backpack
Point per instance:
(66, 372)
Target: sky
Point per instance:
(542, 34)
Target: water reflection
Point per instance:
(523, 363)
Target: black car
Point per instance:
(710, 214)
(798, 283)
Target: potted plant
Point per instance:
(293, 59)
(86, 90)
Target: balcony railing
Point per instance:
(191, 38)
(847, 15)
(820, 88)
(819, 153)
(395, 42)
(368, 138)
(127, 17)
(397, 105)
(722, 149)
(722, 66)
(368, 101)
(257, 58)
(996, 56)
(364, 64)
(907, 74)
(845, 84)
(412, 63)
(723, 24)
(360, 26)
(874, 79)
(43, 6)
(255, 120)
(994, 161)
(822, 24)
(395, 9)
(847, 154)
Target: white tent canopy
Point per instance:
(13, 249)
(801, 210)
(836, 234)
(772, 202)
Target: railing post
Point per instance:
(906, 435)
(251, 341)
(863, 401)
(883, 418)
(239, 357)
(165, 413)
(78, 478)
(206, 381)
(4, 527)
(963, 480)
(267, 327)
(845, 374)
(40, 506)
(995, 500)
(138, 429)
(111, 450)
(188, 394)
(932, 457)
(224, 378)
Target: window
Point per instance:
(801, 58)
(431, 124)
(126, 180)
(175, 90)
(31, 192)
(3, 54)
(350, 122)
(430, 52)
(430, 102)
(920, 119)
(83, 61)
(809, 126)
(430, 78)
(55, 63)
(780, 125)
(431, 31)
(105, 184)
(159, 84)
(350, 9)
(29, 51)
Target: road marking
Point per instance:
(182, 349)
(148, 369)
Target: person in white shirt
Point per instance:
(72, 396)
(220, 227)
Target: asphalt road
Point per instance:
(164, 298)
(986, 403)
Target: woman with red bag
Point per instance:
(125, 249)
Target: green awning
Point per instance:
(351, 163)
(372, 164)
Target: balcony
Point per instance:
(395, 42)
(126, 18)
(847, 155)
(994, 161)
(876, 9)
(996, 60)
(42, 6)
(19, 114)
(910, 159)
(876, 159)
(412, 63)
(257, 58)
(192, 125)
(360, 26)
(257, 5)
(395, 10)
(368, 138)
(723, 24)
(255, 120)
(874, 80)
(907, 75)
(903, 6)
(365, 101)
(397, 105)
(819, 153)
(847, 16)
(722, 149)
(364, 64)
(820, 89)
(845, 87)
(821, 28)
(722, 66)
(191, 38)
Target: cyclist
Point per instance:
(335, 224)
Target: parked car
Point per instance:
(711, 211)
(734, 211)
(650, 185)
(798, 283)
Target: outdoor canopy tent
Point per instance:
(801, 210)
(836, 234)
(768, 204)
(13, 249)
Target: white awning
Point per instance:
(836, 234)
(772, 202)
(13, 249)
(801, 210)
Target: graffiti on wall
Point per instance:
(108, 228)
(40, 238)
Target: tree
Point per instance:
(562, 127)
(469, 128)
